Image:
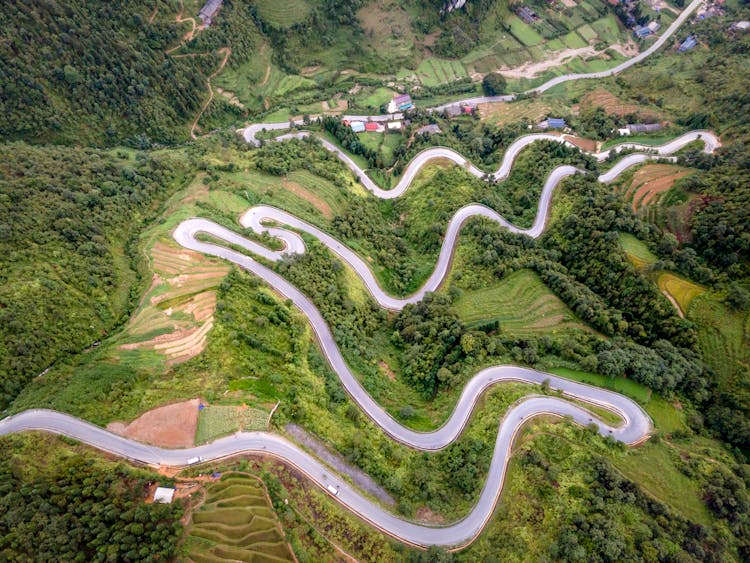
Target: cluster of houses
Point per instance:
(373, 126)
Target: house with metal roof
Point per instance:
(357, 126)
(431, 129)
(209, 11)
(401, 102)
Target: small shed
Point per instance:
(164, 495)
(556, 123)
(372, 126)
(431, 129)
(209, 10)
(357, 126)
(394, 125)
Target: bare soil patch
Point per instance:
(585, 144)
(170, 426)
(386, 369)
(310, 197)
(424, 514)
(503, 113)
(615, 106)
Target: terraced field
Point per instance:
(651, 182)
(177, 312)
(680, 289)
(637, 252)
(521, 303)
(282, 13)
(236, 522)
(216, 421)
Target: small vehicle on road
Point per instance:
(333, 490)
(194, 460)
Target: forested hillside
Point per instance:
(72, 505)
(95, 73)
(68, 221)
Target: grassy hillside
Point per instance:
(68, 266)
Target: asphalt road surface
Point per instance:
(256, 217)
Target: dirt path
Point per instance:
(673, 301)
(227, 52)
(153, 14)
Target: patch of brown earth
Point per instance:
(311, 198)
(170, 426)
(424, 514)
(385, 368)
(584, 144)
(652, 180)
(615, 106)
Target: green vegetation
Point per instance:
(216, 421)
(282, 13)
(114, 83)
(59, 501)
(521, 304)
(236, 521)
(69, 272)
(637, 251)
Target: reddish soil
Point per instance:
(310, 197)
(585, 144)
(170, 426)
(387, 370)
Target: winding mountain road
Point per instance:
(635, 427)
(256, 217)
(636, 423)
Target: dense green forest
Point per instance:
(73, 505)
(83, 72)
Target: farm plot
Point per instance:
(216, 421)
(177, 312)
(524, 32)
(236, 522)
(521, 303)
(433, 71)
(637, 252)
(680, 289)
(651, 182)
(282, 13)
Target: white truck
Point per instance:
(194, 460)
(333, 490)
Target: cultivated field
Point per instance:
(680, 289)
(521, 303)
(282, 13)
(177, 312)
(216, 421)
(651, 182)
(636, 251)
(236, 523)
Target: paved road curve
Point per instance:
(256, 217)
(250, 131)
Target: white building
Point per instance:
(164, 494)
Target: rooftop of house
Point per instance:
(430, 129)
(164, 494)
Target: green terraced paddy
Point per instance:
(236, 522)
(521, 303)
